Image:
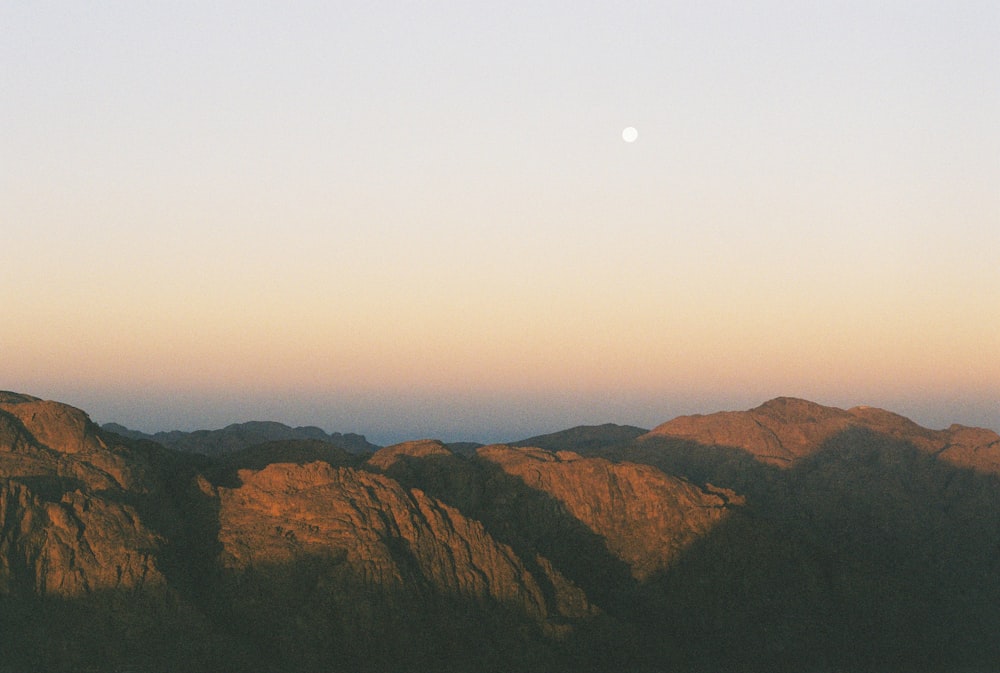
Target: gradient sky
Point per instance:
(413, 219)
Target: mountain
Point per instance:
(644, 517)
(116, 548)
(784, 430)
(867, 542)
(240, 436)
(789, 537)
(584, 438)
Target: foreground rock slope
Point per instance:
(374, 533)
(67, 527)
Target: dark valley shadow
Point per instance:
(868, 555)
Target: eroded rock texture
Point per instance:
(374, 533)
(644, 516)
(67, 528)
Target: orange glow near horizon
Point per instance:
(513, 345)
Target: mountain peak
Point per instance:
(388, 456)
(8, 397)
(785, 429)
(797, 409)
(589, 439)
(55, 426)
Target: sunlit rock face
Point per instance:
(388, 456)
(66, 526)
(72, 547)
(644, 516)
(784, 430)
(374, 533)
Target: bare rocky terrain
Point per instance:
(790, 537)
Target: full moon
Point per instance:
(630, 134)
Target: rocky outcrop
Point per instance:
(644, 516)
(386, 457)
(777, 432)
(75, 546)
(977, 448)
(785, 430)
(374, 533)
(66, 526)
(47, 439)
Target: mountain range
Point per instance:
(239, 436)
(789, 537)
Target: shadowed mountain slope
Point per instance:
(868, 554)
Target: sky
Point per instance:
(420, 219)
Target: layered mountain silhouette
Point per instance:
(793, 536)
(239, 436)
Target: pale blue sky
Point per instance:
(420, 218)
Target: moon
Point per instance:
(629, 135)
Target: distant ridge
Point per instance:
(239, 436)
(584, 438)
(785, 430)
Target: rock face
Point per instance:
(386, 457)
(48, 439)
(74, 547)
(376, 534)
(645, 517)
(65, 526)
(785, 430)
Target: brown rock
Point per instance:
(388, 456)
(645, 516)
(375, 533)
(65, 529)
(777, 432)
(78, 545)
(784, 430)
(977, 448)
(42, 438)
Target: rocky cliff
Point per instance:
(645, 517)
(375, 534)
(66, 525)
